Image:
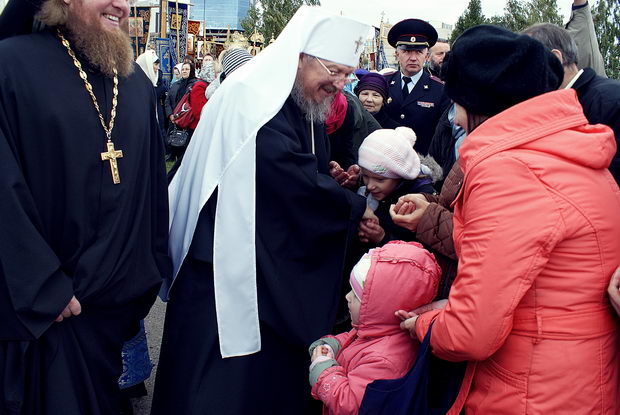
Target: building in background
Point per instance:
(220, 14)
(219, 20)
(444, 30)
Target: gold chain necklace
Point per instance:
(111, 155)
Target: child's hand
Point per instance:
(322, 350)
(371, 231)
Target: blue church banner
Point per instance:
(162, 48)
(177, 24)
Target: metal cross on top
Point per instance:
(358, 43)
(111, 155)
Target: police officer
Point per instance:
(415, 99)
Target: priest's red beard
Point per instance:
(104, 50)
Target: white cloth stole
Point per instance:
(235, 294)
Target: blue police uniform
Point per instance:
(421, 109)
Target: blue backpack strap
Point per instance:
(429, 388)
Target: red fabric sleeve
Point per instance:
(197, 100)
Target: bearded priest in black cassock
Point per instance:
(83, 239)
(262, 273)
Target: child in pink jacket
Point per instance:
(399, 275)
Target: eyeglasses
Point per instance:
(339, 76)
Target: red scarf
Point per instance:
(337, 113)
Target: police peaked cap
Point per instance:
(412, 34)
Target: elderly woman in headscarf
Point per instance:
(179, 88)
(372, 91)
(176, 73)
(149, 63)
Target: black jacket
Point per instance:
(176, 92)
(420, 110)
(600, 99)
(384, 119)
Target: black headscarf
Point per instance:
(184, 84)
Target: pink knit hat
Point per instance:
(390, 153)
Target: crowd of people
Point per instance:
(328, 237)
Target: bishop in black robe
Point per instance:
(304, 221)
(67, 230)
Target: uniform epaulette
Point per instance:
(435, 78)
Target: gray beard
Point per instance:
(313, 111)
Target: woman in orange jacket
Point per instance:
(537, 234)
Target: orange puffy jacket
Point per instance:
(537, 233)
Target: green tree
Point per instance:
(519, 14)
(539, 11)
(471, 17)
(269, 17)
(515, 16)
(606, 14)
(253, 20)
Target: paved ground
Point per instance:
(154, 324)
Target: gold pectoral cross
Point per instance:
(111, 155)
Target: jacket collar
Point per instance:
(584, 79)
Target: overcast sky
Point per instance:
(446, 11)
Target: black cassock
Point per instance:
(304, 222)
(66, 229)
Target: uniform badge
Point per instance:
(425, 86)
(413, 38)
(392, 83)
(389, 100)
(426, 104)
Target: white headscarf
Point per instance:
(178, 67)
(222, 155)
(145, 61)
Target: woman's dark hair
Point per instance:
(474, 121)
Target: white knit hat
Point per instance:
(357, 279)
(390, 153)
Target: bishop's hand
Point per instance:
(72, 309)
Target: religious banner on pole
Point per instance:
(193, 27)
(162, 49)
(178, 31)
(193, 31)
(139, 22)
